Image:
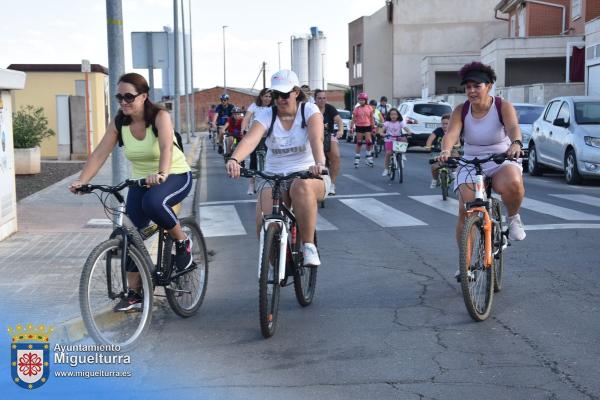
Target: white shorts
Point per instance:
(286, 185)
(466, 173)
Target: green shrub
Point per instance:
(30, 127)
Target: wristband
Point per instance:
(231, 158)
(517, 142)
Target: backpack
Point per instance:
(119, 125)
(467, 104)
(274, 111)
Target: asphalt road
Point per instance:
(388, 320)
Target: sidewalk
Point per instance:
(41, 264)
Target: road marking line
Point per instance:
(580, 198)
(557, 211)
(544, 227)
(337, 196)
(324, 225)
(380, 213)
(450, 206)
(220, 221)
(364, 183)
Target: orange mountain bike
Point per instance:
(482, 242)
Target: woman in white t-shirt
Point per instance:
(291, 148)
(264, 100)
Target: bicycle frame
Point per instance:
(480, 205)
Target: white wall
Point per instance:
(437, 27)
(377, 57)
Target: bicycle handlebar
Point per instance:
(455, 161)
(114, 190)
(250, 173)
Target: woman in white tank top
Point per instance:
(291, 147)
(487, 130)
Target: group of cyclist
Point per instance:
(294, 129)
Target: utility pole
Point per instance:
(192, 73)
(224, 65)
(264, 74)
(116, 68)
(279, 54)
(188, 119)
(176, 94)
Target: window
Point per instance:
(564, 112)
(528, 114)
(575, 9)
(587, 113)
(522, 22)
(357, 61)
(432, 109)
(551, 111)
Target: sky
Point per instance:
(67, 31)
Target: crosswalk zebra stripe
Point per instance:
(450, 205)
(380, 213)
(580, 198)
(324, 225)
(220, 221)
(364, 183)
(557, 211)
(544, 227)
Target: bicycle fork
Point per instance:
(283, 237)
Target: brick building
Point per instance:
(242, 98)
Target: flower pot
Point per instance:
(27, 161)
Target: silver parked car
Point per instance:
(527, 113)
(566, 137)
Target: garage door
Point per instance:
(593, 83)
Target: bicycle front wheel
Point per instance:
(101, 288)
(186, 292)
(444, 184)
(268, 281)
(498, 242)
(475, 279)
(305, 279)
(400, 165)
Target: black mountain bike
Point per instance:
(281, 255)
(104, 280)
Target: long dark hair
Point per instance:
(301, 96)
(388, 118)
(141, 86)
(259, 101)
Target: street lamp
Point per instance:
(279, 54)
(224, 65)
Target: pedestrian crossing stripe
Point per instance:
(580, 198)
(218, 220)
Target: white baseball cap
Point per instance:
(284, 81)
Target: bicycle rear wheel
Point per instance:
(186, 292)
(268, 282)
(400, 165)
(101, 273)
(475, 279)
(392, 168)
(444, 184)
(305, 279)
(498, 241)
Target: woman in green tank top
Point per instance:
(153, 157)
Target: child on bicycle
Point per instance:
(233, 127)
(393, 128)
(434, 145)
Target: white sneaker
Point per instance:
(433, 184)
(403, 157)
(311, 256)
(332, 189)
(250, 191)
(516, 230)
(369, 161)
(385, 172)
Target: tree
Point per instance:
(30, 127)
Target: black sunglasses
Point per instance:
(281, 95)
(127, 97)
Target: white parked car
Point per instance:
(423, 117)
(346, 117)
(527, 114)
(566, 137)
